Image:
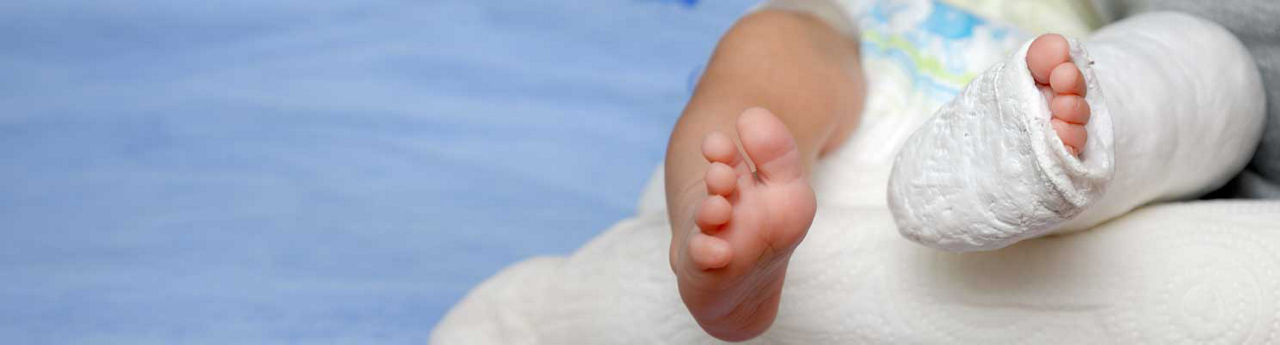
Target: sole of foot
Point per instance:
(731, 268)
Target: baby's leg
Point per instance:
(737, 174)
(1173, 109)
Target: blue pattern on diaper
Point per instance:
(939, 46)
(951, 22)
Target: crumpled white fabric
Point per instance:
(1198, 272)
(1177, 109)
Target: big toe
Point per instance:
(769, 145)
(1045, 53)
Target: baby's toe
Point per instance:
(1073, 136)
(709, 252)
(712, 213)
(1045, 53)
(1067, 79)
(720, 179)
(718, 147)
(770, 146)
(1070, 108)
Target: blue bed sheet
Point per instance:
(238, 172)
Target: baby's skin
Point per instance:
(781, 90)
(1049, 62)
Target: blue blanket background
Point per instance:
(238, 172)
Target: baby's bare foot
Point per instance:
(731, 269)
(1062, 83)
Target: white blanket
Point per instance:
(1200, 272)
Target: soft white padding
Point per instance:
(1202, 272)
(1177, 110)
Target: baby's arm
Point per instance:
(732, 235)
